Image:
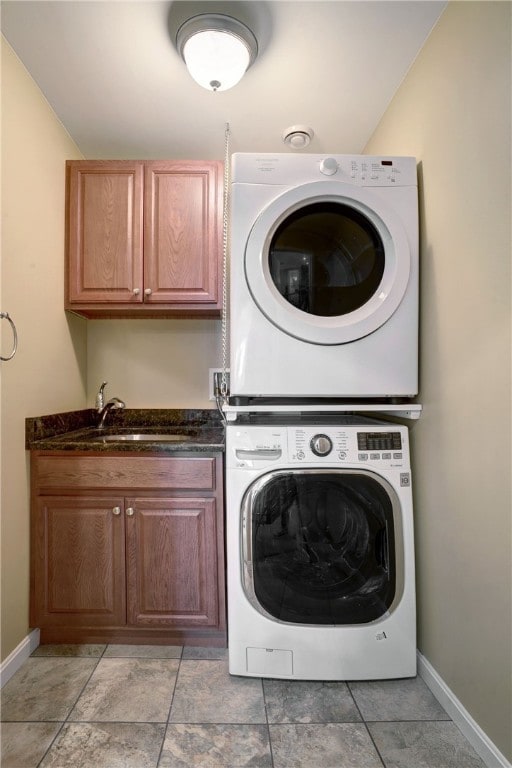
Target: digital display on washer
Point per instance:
(379, 441)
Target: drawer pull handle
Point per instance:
(116, 511)
(130, 511)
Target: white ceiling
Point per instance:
(111, 72)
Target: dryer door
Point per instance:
(327, 262)
(322, 546)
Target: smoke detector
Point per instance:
(298, 136)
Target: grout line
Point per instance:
(374, 744)
(98, 659)
(365, 723)
(355, 702)
(50, 745)
(173, 692)
(268, 724)
(66, 720)
(105, 722)
(413, 720)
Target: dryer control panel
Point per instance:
(292, 169)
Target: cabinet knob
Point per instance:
(136, 291)
(130, 511)
(116, 511)
(148, 291)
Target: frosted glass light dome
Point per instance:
(217, 50)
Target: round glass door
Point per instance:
(326, 259)
(327, 263)
(322, 546)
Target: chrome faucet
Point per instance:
(100, 397)
(103, 407)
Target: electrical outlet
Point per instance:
(214, 381)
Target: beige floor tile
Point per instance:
(24, 744)
(333, 745)
(216, 746)
(143, 651)
(423, 745)
(106, 745)
(198, 652)
(207, 693)
(66, 649)
(129, 690)
(297, 701)
(45, 688)
(407, 699)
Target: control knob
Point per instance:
(329, 166)
(321, 445)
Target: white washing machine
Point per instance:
(323, 276)
(320, 550)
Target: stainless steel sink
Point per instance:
(143, 437)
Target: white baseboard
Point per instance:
(16, 658)
(480, 742)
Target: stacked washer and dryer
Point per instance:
(323, 319)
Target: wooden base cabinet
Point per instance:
(143, 566)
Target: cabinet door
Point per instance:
(78, 562)
(172, 566)
(105, 207)
(182, 239)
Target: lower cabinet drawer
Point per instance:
(140, 472)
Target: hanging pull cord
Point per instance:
(222, 393)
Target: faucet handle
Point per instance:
(100, 400)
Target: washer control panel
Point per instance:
(332, 445)
(348, 445)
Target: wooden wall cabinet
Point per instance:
(143, 238)
(128, 549)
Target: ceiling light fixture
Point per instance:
(217, 49)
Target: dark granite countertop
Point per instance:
(163, 430)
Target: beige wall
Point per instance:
(453, 113)
(153, 363)
(48, 373)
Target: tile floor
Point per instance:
(121, 706)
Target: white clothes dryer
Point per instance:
(320, 550)
(323, 276)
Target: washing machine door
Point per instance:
(322, 546)
(328, 262)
